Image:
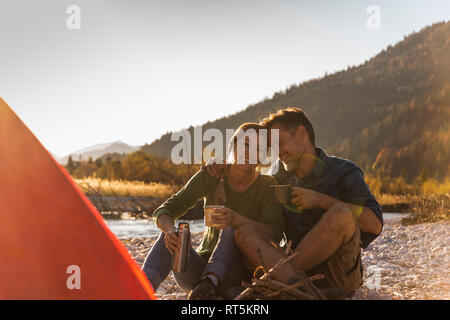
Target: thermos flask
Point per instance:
(180, 258)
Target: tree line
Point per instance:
(136, 166)
(140, 166)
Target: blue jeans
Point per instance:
(225, 262)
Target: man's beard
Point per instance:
(292, 163)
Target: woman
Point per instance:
(216, 263)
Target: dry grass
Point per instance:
(392, 199)
(398, 186)
(429, 208)
(394, 195)
(123, 188)
(433, 187)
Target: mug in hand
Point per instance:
(282, 193)
(209, 212)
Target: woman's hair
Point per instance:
(241, 129)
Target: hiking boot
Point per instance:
(203, 290)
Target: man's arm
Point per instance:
(367, 220)
(355, 195)
(304, 199)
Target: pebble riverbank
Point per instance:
(404, 262)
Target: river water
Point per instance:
(141, 228)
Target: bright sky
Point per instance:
(137, 69)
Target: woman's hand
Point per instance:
(213, 168)
(222, 217)
(172, 241)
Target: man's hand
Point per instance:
(223, 217)
(213, 168)
(172, 241)
(304, 198)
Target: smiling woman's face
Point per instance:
(251, 153)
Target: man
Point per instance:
(332, 214)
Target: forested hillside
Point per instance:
(390, 115)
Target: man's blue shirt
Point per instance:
(336, 177)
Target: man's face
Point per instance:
(291, 146)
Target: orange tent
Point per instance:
(53, 242)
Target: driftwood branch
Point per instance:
(296, 285)
(288, 248)
(266, 288)
(278, 286)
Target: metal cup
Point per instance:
(282, 193)
(209, 211)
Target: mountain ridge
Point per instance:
(98, 150)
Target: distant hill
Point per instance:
(391, 113)
(99, 150)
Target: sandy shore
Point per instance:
(404, 262)
(413, 262)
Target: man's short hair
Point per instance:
(290, 118)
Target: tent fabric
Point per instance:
(54, 244)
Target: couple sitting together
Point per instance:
(331, 216)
